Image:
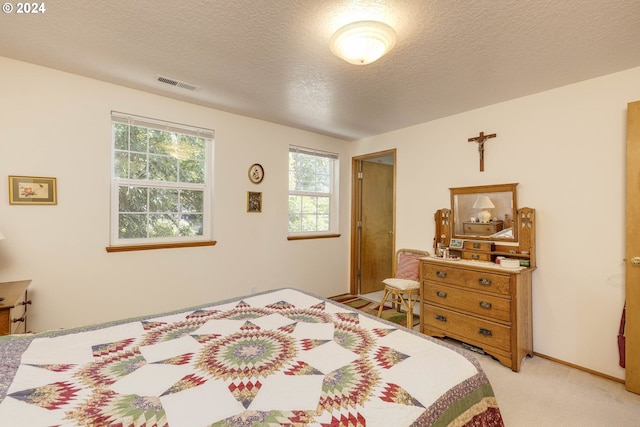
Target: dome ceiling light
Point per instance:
(363, 42)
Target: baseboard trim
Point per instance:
(580, 368)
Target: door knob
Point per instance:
(635, 260)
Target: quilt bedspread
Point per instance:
(282, 358)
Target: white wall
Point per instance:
(566, 149)
(57, 124)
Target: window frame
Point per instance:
(333, 194)
(117, 244)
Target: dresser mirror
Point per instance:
(484, 212)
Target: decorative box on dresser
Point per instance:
(13, 307)
(470, 298)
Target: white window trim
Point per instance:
(207, 187)
(333, 194)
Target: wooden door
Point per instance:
(632, 379)
(376, 251)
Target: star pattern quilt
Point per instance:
(282, 358)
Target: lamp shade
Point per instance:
(1, 235)
(363, 42)
(483, 202)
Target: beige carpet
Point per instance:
(548, 394)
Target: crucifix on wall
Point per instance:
(480, 139)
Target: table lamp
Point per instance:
(484, 203)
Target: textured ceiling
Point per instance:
(271, 59)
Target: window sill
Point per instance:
(129, 248)
(313, 236)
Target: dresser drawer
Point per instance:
(466, 328)
(481, 228)
(496, 308)
(479, 246)
(472, 279)
(476, 256)
(13, 307)
(12, 321)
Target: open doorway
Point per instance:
(373, 222)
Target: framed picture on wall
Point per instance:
(32, 190)
(254, 201)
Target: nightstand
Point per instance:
(13, 308)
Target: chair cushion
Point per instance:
(402, 284)
(408, 266)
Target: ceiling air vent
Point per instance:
(177, 83)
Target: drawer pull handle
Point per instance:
(441, 294)
(441, 318)
(475, 256)
(485, 332)
(485, 304)
(476, 246)
(485, 282)
(19, 319)
(441, 274)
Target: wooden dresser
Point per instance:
(479, 303)
(13, 307)
(475, 300)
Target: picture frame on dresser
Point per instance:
(456, 244)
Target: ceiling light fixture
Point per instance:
(363, 42)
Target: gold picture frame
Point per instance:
(254, 201)
(32, 190)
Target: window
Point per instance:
(161, 182)
(313, 192)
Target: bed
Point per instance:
(280, 358)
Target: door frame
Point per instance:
(632, 249)
(356, 210)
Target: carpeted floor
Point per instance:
(371, 307)
(548, 394)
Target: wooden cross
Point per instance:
(480, 139)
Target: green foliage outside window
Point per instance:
(160, 179)
(310, 192)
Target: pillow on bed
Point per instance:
(408, 266)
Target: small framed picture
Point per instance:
(32, 190)
(456, 244)
(254, 201)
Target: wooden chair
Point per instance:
(404, 286)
